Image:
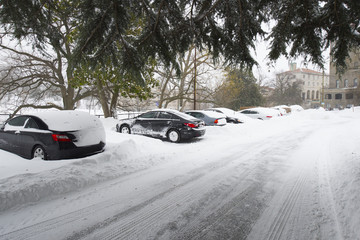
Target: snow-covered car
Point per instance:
(296, 108)
(261, 113)
(53, 135)
(281, 110)
(231, 115)
(209, 117)
(163, 123)
(284, 109)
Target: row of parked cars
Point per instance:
(70, 134)
(176, 126)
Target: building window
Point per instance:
(349, 96)
(313, 84)
(338, 96)
(328, 96)
(355, 82)
(312, 94)
(337, 83)
(308, 94)
(308, 83)
(303, 76)
(317, 94)
(303, 96)
(346, 83)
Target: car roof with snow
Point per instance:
(68, 120)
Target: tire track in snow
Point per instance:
(135, 224)
(44, 228)
(326, 197)
(143, 223)
(281, 219)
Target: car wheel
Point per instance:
(39, 152)
(125, 129)
(173, 136)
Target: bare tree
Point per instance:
(286, 90)
(39, 81)
(180, 87)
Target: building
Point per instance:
(343, 90)
(311, 82)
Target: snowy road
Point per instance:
(291, 179)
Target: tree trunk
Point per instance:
(103, 98)
(114, 100)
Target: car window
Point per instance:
(165, 115)
(18, 121)
(198, 115)
(245, 112)
(31, 124)
(148, 115)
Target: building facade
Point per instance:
(312, 84)
(344, 90)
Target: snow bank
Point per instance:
(118, 159)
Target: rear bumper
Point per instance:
(193, 133)
(74, 152)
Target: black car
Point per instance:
(53, 135)
(170, 124)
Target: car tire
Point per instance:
(125, 129)
(39, 152)
(173, 136)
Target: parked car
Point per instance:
(282, 110)
(261, 113)
(53, 135)
(163, 123)
(296, 108)
(209, 117)
(231, 115)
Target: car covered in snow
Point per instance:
(209, 117)
(261, 113)
(163, 123)
(53, 135)
(231, 115)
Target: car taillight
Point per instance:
(269, 116)
(61, 138)
(216, 121)
(191, 125)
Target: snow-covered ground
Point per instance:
(293, 177)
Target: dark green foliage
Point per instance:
(130, 32)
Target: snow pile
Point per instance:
(118, 159)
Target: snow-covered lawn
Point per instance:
(293, 177)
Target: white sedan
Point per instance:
(261, 113)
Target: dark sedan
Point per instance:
(209, 117)
(53, 135)
(170, 124)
